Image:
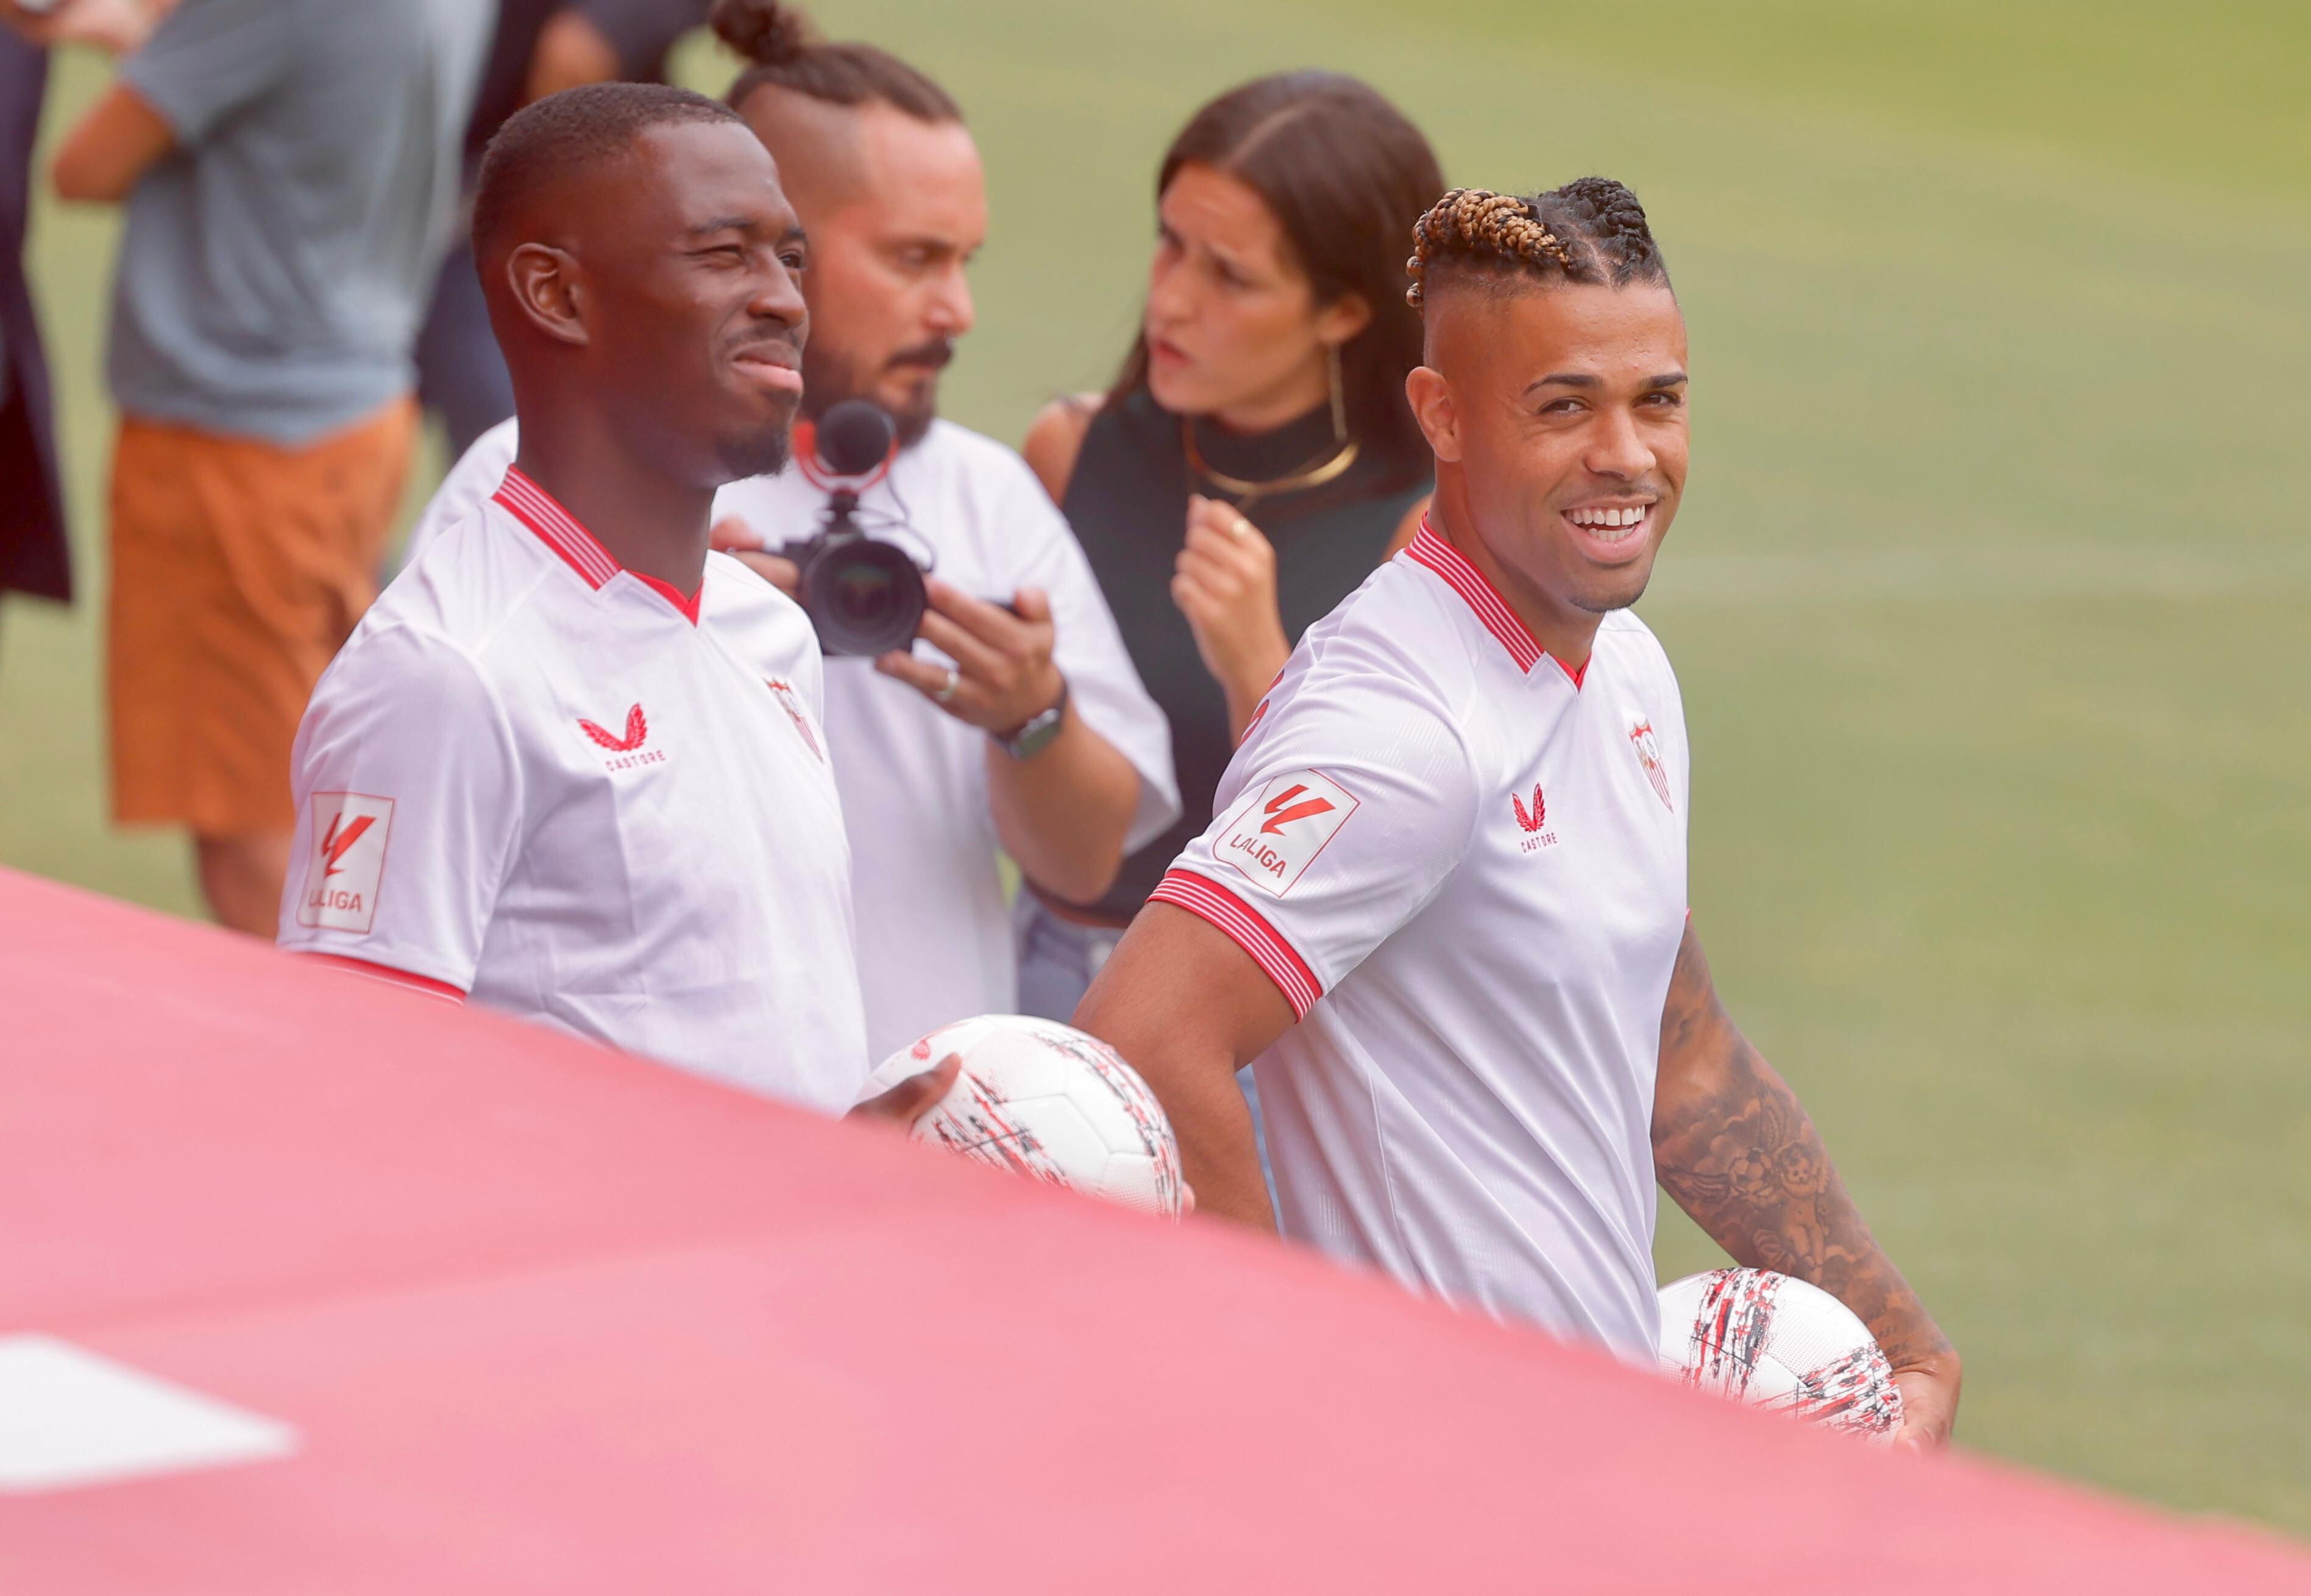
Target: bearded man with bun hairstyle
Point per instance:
(877, 154)
(1020, 726)
(1443, 905)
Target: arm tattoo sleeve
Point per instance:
(1733, 1145)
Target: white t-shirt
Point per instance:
(1466, 871)
(934, 939)
(538, 777)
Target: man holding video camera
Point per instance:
(1021, 726)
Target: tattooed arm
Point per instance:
(1734, 1148)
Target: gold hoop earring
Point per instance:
(1340, 394)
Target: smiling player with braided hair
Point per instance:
(1443, 906)
(1474, 230)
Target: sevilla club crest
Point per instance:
(1648, 750)
(785, 693)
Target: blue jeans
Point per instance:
(1057, 961)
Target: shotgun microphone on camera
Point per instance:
(864, 596)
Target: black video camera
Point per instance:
(864, 596)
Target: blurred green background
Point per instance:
(1990, 598)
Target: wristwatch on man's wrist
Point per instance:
(1036, 735)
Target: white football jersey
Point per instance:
(934, 937)
(1465, 869)
(557, 785)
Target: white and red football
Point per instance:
(1778, 1343)
(1043, 1099)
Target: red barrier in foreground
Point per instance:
(545, 1319)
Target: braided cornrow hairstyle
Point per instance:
(1591, 230)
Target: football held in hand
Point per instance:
(1043, 1099)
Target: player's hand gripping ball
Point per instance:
(1043, 1099)
(1778, 1343)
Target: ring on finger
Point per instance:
(946, 693)
(1242, 529)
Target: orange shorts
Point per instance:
(239, 568)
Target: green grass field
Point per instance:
(1991, 601)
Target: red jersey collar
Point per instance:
(560, 531)
(1431, 550)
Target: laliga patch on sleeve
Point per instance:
(348, 864)
(1276, 834)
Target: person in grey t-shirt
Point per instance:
(291, 171)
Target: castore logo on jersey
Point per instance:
(637, 731)
(630, 746)
(1531, 820)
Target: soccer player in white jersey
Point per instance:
(571, 763)
(1443, 902)
(1027, 734)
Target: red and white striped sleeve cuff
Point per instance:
(386, 975)
(1276, 958)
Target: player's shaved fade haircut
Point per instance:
(1591, 230)
(787, 53)
(545, 144)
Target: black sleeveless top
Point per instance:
(1128, 501)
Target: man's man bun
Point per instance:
(764, 32)
(784, 51)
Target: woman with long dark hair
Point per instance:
(1256, 457)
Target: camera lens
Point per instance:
(863, 596)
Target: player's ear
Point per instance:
(1431, 398)
(545, 284)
